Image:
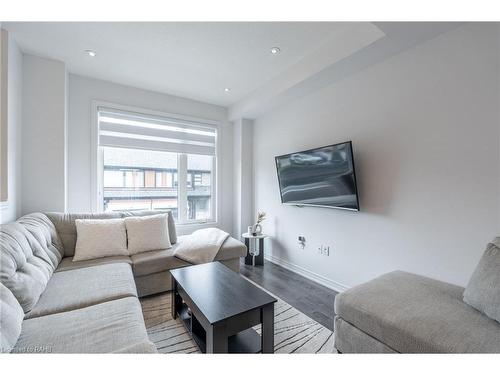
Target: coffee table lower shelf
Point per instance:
(247, 341)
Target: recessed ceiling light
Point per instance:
(227, 89)
(91, 53)
(275, 50)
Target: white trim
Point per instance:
(214, 184)
(334, 285)
(94, 160)
(182, 201)
(95, 157)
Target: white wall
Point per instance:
(10, 210)
(43, 135)
(243, 176)
(83, 90)
(4, 57)
(425, 132)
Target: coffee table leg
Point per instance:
(216, 339)
(267, 337)
(174, 299)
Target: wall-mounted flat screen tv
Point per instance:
(321, 177)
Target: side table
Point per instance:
(255, 246)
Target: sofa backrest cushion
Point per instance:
(30, 251)
(11, 319)
(483, 290)
(66, 228)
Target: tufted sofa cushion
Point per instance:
(30, 251)
(11, 319)
(66, 228)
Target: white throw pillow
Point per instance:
(100, 238)
(146, 233)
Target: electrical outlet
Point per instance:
(326, 251)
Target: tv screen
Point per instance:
(322, 177)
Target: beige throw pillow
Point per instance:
(100, 238)
(147, 233)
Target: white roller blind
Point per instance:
(135, 130)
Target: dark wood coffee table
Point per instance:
(218, 307)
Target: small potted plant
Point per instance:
(257, 228)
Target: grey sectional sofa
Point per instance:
(400, 312)
(48, 303)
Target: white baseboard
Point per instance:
(336, 286)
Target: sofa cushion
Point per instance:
(30, 250)
(107, 327)
(69, 264)
(349, 339)
(147, 233)
(156, 261)
(66, 228)
(11, 318)
(163, 260)
(153, 283)
(70, 290)
(100, 239)
(483, 290)
(415, 314)
(231, 249)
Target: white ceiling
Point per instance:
(197, 60)
(357, 48)
(194, 60)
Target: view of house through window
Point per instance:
(135, 179)
(199, 186)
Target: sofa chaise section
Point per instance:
(71, 290)
(407, 313)
(111, 326)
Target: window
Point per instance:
(198, 195)
(156, 163)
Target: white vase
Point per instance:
(257, 229)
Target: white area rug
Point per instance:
(294, 332)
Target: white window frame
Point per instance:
(97, 170)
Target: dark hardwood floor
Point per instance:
(312, 299)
